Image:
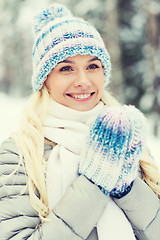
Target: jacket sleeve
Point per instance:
(142, 207)
(72, 218)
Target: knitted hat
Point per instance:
(58, 35)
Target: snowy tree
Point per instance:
(153, 30)
(16, 45)
(15, 41)
(132, 36)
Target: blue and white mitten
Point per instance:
(103, 156)
(136, 144)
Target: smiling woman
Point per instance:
(77, 82)
(78, 168)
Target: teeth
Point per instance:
(81, 96)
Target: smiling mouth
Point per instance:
(80, 96)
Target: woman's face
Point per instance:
(77, 82)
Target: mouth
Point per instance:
(80, 96)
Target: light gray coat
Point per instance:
(75, 216)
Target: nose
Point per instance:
(82, 79)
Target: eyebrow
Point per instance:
(94, 59)
(68, 61)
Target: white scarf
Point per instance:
(68, 128)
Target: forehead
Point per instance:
(77, 58)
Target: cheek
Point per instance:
(56, 89)
(100, 83)
(52, 84)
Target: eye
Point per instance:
(66, 69)
(93, 66)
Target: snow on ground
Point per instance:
(11, 110)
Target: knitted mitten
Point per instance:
(113, 138)
(136, 143)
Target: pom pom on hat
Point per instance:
(49, 14)
(59, 35)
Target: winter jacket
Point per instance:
(77, 213)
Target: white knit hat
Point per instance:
(58, 35)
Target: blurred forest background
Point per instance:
(131, 32)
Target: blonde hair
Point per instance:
(30, 140)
